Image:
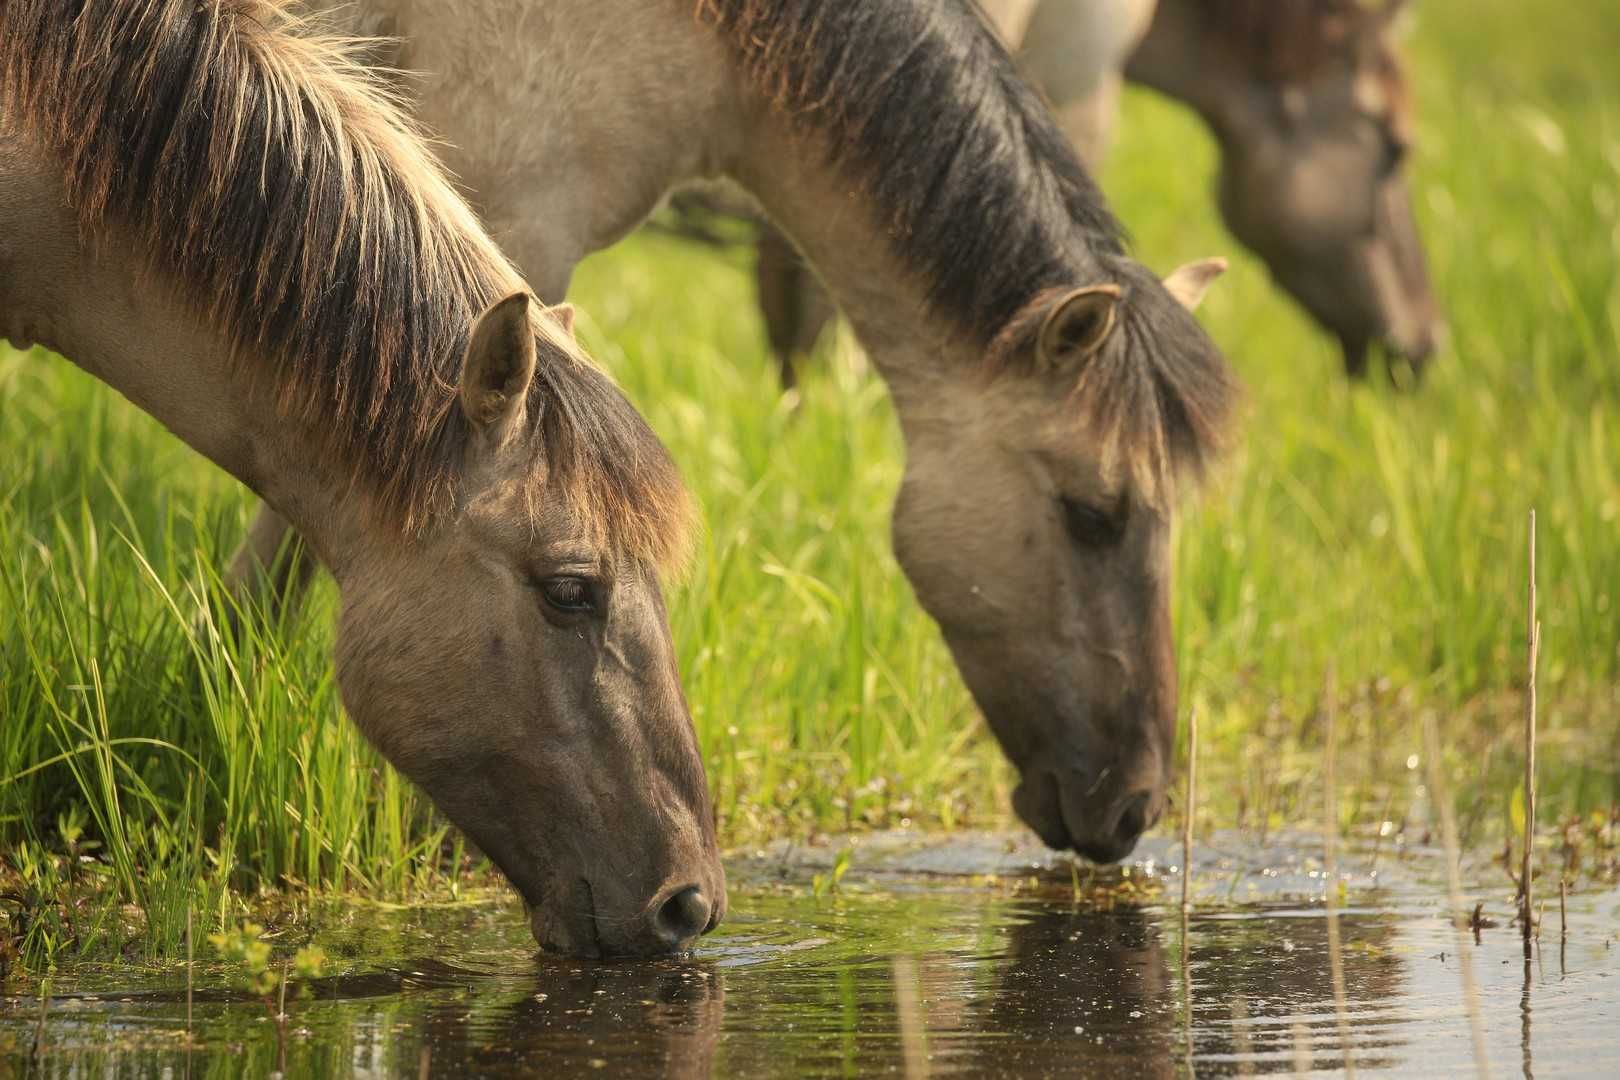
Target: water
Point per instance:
(972, 956)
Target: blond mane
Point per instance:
(278, 182)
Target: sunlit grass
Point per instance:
(1377, 531)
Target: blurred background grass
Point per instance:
(1378, 532)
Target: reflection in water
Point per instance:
(1524, 1022)
(920, 980)
(664, 1021)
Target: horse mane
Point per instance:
(262, 169)
(980, 195)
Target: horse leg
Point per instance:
(271, 570)
(776, 277)
(795, 307)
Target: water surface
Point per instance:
(976, 955)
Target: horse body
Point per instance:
(567, 122)
(226, 222)
(1075, 52)
(1034, 517)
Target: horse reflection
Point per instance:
(1100, 992)
(566, 1018)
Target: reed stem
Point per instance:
(1448, 833)
(1186, 889)
(188, 971)
(1330, 865)
(1533, 643)
(1187, 816)
(1563, 919)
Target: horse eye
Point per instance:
(570, 595)
(1394, 153)
(1091, 526)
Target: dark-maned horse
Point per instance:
(233, 226)
(1309, 104)
(1050, 389)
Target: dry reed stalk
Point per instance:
(1533, 643)
(1186, 999)
(1563, 922)
(1304, 1052)
(39, 1032)
(1186, 887)
(1330, 865)
(188, 972)
(1448, 833)
(912, 1018)
(1187, 815)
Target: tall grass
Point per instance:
(1375, 530)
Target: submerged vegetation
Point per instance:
(148, 759)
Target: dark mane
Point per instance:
(981, 195)
(919, 100)
(277, 184)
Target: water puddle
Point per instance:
(977, 955)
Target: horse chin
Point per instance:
(1039, 804)
(565, 922)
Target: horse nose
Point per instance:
(1109, 843)
(683, 916)
(1133, 821)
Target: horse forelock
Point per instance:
(278, 183)
(1156, 403)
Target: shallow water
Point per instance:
(974, 955)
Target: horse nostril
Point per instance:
(683, 916)
(1133, 820)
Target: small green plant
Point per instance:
(308, 963)
(827, 884)
(245, 946)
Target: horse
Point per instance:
(1309, 105)
(222, 216)
(1054, 395)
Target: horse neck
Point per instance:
(1177, 59)
(839, 231)
(88, 302)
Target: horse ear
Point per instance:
(1189, 283)
(500, 363)
(564, 315)
(1077, 325)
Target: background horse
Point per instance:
(1051, 390)
(1309, 105)
(232, 226)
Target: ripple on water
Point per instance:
(972, 955)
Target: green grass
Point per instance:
(1377, 532)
